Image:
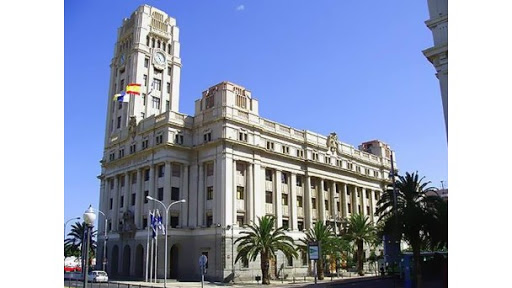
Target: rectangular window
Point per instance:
(146, 63)
(240, 220)
(158, 84)
(284, 178)
(209, 193)
(134, 178)
(145, 80)
(121, 202)
(367, 194)
(133, 199)
(168, 86)
(155, 101)
(359, 209)
(174, 221)
(348, 192)
(299, 201)
(176, 170)
(133, 148)
(146, 175)
(285, 224)
(326, 186)
(160, 194)
(161, 171)
(300, 225)
(239, 192)
(313, 203)
(146, 194)
(289, 260)
(300, 153)
(159, 139)
(367, 210)
(326, 202)
(207, 137)
(209, 169)
(268, 175)
(268, 197)
(315, 156)
(166, 105)
(209, 222)
(178, 139)
(285, 149)
(327, 160)
(299, 181)
(145, 143)
(284, 199)
(349, 209)
(169, 70)
(175, 193)
(121, 181)
(111, 203)
(143, 102)
(118, 122)
(270, 145)
(242, 136)
(313, 183)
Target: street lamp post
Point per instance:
(232, 227)
(89, 218)
(66, 223)
(336, 233)
(166, 208)
(104, 240)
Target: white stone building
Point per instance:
(228, 163)
(438, 54)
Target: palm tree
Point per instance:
(263, 240)
(73, 244)
(361, 231)
(413, 215)
(324, 236)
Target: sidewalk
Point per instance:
(273, 283)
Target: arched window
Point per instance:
(158, 43)
(147, 40)
(153, 42)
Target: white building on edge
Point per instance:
(228, 163)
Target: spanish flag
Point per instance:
(133, 88)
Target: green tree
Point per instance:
(360, 230)
(324, 236)
(75, 241)
(263, 240)
(413, 216)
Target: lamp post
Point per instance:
(232, 227)
(66, 223)
(336, 233)
(104, 240)
(89, 218)
(166, 208)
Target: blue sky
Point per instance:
(350, 67)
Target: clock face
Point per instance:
(160, 58)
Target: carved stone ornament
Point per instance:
(132, 126)
(332, 143)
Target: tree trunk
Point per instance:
(360, 258)
(320, 268)
(264, 269)
(417, 264)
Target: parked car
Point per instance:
(72, 269)
(97, 276)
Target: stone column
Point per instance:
(139, 200)
(115, 204)
(184, 191)
(364, 201)
(308, 209)
(293, 202)
(259, 191)
(250, 197)
(321, 200)
(167, 185)
(201, 197)
(278, 206)
(344, 200)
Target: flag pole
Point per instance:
(147, 247)
(156, 252)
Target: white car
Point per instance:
(97, 276)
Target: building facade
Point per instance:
(229, 164)
(438, 54)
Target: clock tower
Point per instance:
(147, 52)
